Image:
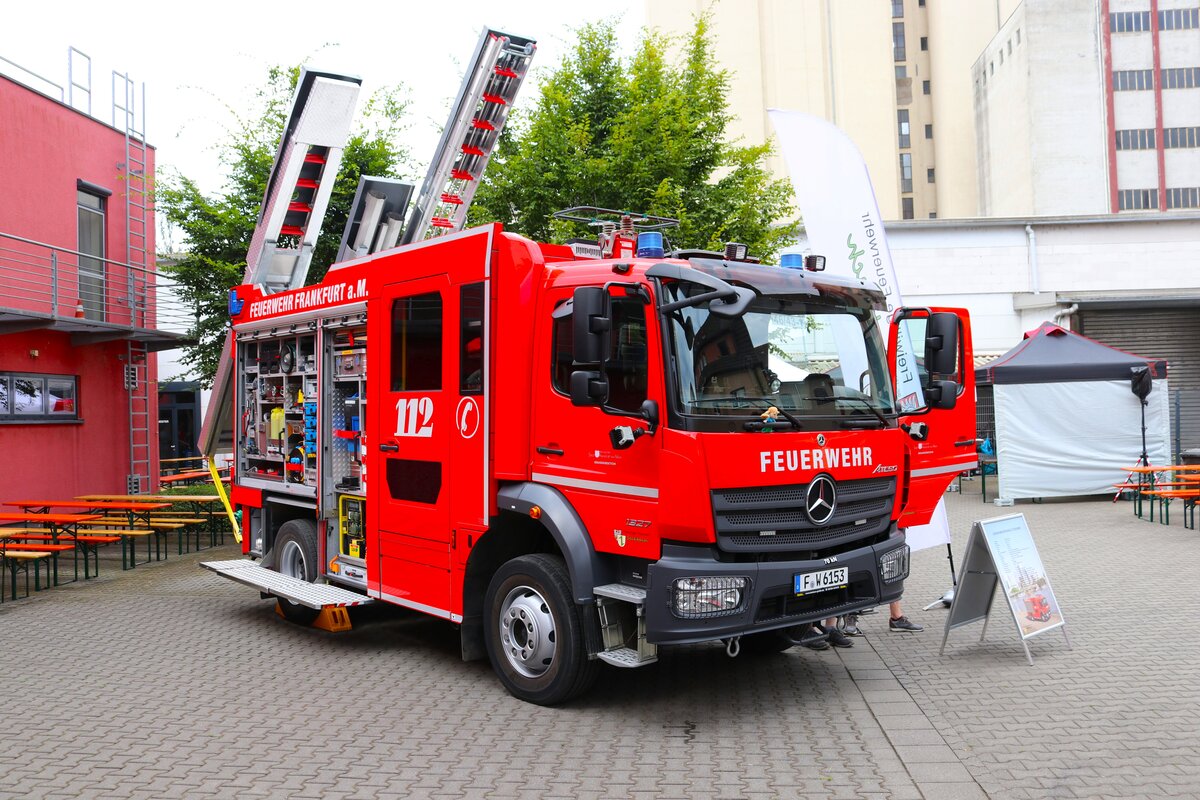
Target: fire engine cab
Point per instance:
(576, 453)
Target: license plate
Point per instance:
(812, 582)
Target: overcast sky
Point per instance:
(198, 60)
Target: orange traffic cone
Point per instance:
(79, 309)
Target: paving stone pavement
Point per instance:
(169, 681)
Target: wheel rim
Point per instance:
(527, 632)
(291, 561)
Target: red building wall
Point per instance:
(45, 148)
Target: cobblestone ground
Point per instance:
(169, 681)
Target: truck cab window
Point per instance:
(417, 343)
(627, 366)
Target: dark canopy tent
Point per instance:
(1067, 421)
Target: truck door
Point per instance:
(411, 377)
(941, 441)
(614, 491)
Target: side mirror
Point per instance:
(941, 394)
(591, 325)
(588, 388)
(941, 344)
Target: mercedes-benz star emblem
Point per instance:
(820, 440)
(821, 500)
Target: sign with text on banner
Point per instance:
(842, 222)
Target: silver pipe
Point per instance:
(1059, 316)
(1033, 265)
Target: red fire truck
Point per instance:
(1036, 608)
(576, 453)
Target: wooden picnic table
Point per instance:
(135, 512)
(58, 525)
(201, 503)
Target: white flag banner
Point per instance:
(842, 222)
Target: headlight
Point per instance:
(708, 596)
(893, 565)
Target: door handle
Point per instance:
(550, 451)
(390, 448)
(964, 443)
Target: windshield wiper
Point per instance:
(770, 404)
(868, 406)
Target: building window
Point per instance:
(1180, 78)
(906, 185)
(417, 343)
(924, 43)
(901, 71)
(933, 215)
(898, 53)
(897, 9)
(929, 175)
(1136, 139)
(924, 87)
(1180, 137)
(1184, 197)
(1018, 36)
(28, 397)
(1133, 80)
(929, 131)
(1010, 47)
(1179, 19)
(907, 206)
(992, 67)
(90, 241)
(921, 3)
(902, 123)
(1129, 21)
(1137, 199)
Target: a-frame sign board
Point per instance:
(1001, 552)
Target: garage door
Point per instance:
(1170, 333)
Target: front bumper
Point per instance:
(770, 601)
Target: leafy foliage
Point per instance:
(646, 135)
(218, 228)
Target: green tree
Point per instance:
(217, 229)
(646, 134)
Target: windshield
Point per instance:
(806, 356)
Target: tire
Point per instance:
(533, 630)
(296, 556)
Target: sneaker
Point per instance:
(839, 639)
(902, 624)
(810, 636)
(850, 625)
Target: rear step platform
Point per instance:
(313, 595)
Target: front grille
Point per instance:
(772, 518)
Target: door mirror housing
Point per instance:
(588, 387)
(592, 321)
(941, 344)
(941, 394)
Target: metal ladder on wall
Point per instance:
(477, 117)
(293, 210)
(125, 112)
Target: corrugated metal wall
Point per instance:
(1170, 333)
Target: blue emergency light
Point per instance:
(650, 244)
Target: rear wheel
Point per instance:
(534, 631)
(296, 557)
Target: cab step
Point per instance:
(313, 595)
(622, 624)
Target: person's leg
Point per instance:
(899, 622)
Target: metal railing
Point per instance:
(46, 281)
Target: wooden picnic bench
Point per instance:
(20, 561)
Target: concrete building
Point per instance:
(79, 312)
(896, 76)
(1086, 107)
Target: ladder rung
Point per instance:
(495, 98)
(291, 230)
(461, 174)
(505, 71)
(482, 125)
(306, 183)
(298, 206)
(313, 158)
(453, 199)
(441, 222)
(471, 150)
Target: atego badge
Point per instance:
(820, 500)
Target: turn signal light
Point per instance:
(535, 512)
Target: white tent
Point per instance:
(1067, 420)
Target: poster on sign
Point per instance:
(1001, 554)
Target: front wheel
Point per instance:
(534, 631)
